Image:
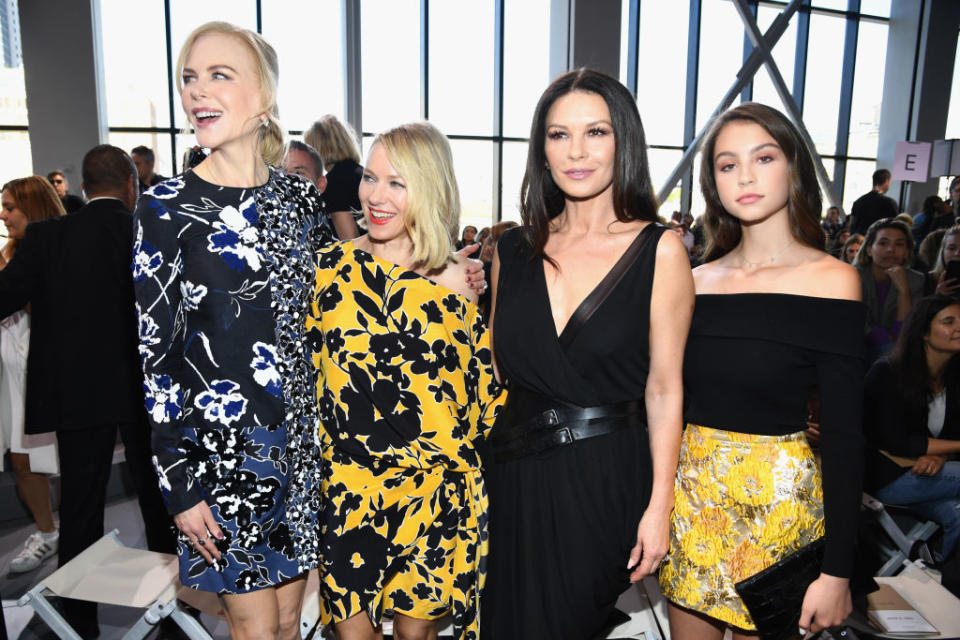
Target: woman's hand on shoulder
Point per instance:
(827, 603)
(461, 276)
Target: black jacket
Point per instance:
(889, 424)
(83, 368)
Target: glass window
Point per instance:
(721, 55)
(867, 89)
(473, 165)
(526, 69)
(159, 142)
(821, 101)
(662, 163)
(662, 70)
(859, 180)
(783, 54)
(135, 70)
(829, 166)
(875, 7)
(187, 15)
(461, 67)
(15, 158)
(514, 166)
(309, 42)
(390, 63)
(13, 95)
(839, 5)
(953, 115)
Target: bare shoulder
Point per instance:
(827, 277)
(670, 246)
(454, 277)
(708, 277)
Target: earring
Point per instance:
(264, 122)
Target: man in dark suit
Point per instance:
(83, 368)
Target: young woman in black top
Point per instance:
(912, 417)
(748, 491)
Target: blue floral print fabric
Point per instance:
(223, 280)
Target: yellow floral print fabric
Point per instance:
(405, 386)
(742, 502)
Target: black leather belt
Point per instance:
(559, 425)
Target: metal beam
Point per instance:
(744, 76)
(750, 23)
(353, 94)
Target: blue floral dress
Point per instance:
(224, 278)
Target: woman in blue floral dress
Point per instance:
(223, 266)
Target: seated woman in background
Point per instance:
(912, 418)
(337, 145)
(927, 254)
(850, 247)
(887, 283)
(948, 252)
(25, 200)
(405, 388)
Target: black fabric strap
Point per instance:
(593, 301)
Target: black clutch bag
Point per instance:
(774, 596)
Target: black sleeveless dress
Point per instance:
(562, 522)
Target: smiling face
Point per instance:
(944, 334)
(221, 92)
(889, 249)
(751, 172)
(383, 195)
(580, 145)
(13, 218)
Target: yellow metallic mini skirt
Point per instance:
(742, 502)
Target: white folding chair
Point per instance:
(110, 573)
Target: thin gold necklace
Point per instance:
(756, 265)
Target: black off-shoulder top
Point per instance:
(751, 363)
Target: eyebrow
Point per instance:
(592, 124)
(212, 67)
(760, 146)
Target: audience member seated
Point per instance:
(954, 196)
(911, 418)
(144, 159)
(337, 145)
(831, 224)
(59, 181)
(848, 251)
(936, 214)
(466, 237)
(888, 285)
(926, 258)
(303, 160)
(949, 250)
(25, 200)
(835, 245)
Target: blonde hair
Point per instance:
(420, 154)
(940, 267)
(270, 137)
(333, 140)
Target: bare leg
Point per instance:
(407, 628)
(358, 627)
(289, 604)
(253, 615)
(686, 625)
(34, 488)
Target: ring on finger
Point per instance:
(201, 541)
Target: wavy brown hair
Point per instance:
(633, 197)
(804, 201)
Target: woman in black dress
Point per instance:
(583, 457)
(337, 145)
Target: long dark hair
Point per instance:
(804, 201)
(633, 197)
(909, 357)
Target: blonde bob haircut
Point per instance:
(420, 154)
(270, 137)
(334, 140)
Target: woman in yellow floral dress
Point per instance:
(405, 386)
(748, 492)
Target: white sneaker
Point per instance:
(36, 549)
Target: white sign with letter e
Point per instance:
(911, 161)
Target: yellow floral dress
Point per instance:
(405, 386)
